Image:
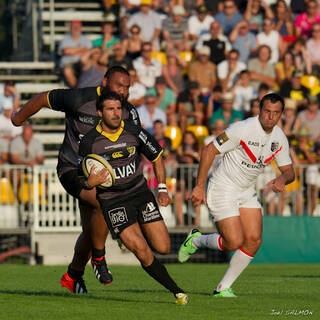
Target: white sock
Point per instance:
(238, 263)
(211, 241)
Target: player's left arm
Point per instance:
(287, 176)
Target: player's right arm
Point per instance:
(31, 107)
(207, 156)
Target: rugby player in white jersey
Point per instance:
(247, 147)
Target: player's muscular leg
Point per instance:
(251, 220)
(134, 240)
(231, 232)
(99, 229)
(157, 235)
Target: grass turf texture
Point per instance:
(34, 292)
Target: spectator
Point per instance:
(261, 70)
(229, 17)
(165, 143)
(108, 39)
(149, 22)
(301, 60)
(173, 71)
(175, 30)
(229, 70)
(263, 90)
(302, 152)
(214, 102)
(199, 24)
(133, 43)
(243, 40)
(215, 129)
(226, 112)
(288, 118)
(4, 151)
(150, 112)
(255, 12)
(166, 99)
(217, 42)
(294, 90)
(284, 68)
(305, 20)
(71, 48)
(272, 39)
(7, 129)
(8, 91)
(310, 118)
(254, 108)
(190, 106)
(137, 90)
(92, 71)
(187, 153)
(25, 149)
(203, 71)
(243, 92)
(117, 59)
(283, 20)
(313, 49)
(147, 68)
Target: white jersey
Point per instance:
(247, 149)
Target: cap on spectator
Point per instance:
(204, 50)
(7, 104)
(227, 97)
(312, 99)
(193, 85)
(303, 131)
(202, 9)
(76, 22)
(145, 3)
(161, 80)
(178, 10)
(297, 74)
(290, 104)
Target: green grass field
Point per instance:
(264, 292)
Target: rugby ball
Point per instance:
(99, 163)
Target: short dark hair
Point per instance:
(106, 95)
(273, 98)
(10, 83)
(111, 71)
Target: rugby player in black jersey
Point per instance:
(129, 207)
(79, 106)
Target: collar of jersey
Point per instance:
(111, 136)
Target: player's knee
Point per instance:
(254, 241)
(164, 248)
(233, 243)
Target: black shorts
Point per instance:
(71, 183)
(121, 213)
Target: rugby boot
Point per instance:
(75, 286)
(101, 270)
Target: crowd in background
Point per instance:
(197, 66)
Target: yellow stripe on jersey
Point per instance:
(161, 152)
(111, 136)
(99, 91)
(49, 104)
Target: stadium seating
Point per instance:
(174, 134)
(6, 191)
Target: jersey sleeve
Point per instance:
(229, 139)
(133, 115)
(148, 145)
(283, 156)
(69, 100)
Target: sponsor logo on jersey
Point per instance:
(222, 138)
(274, 146)
(253, 143)
(131, 150)
(252, 166)
(151, 212)
(118, 216)
(119, 145)
(87, 119)
(125, 171)
(143, 136)
(117, 154)
(151, 147)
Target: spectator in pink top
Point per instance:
(305, 20)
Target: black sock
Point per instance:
(158, 272)
(98, 253)
(74, 274)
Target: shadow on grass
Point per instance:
(87, 296)
(302, 276)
